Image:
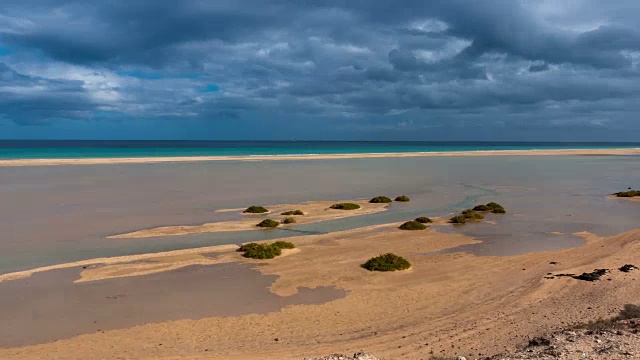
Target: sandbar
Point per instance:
(139, 160)
(314, 211)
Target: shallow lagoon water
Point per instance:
(58, 214)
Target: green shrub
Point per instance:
(423, 219)
(496, 208)
(492, 206)
(413, 225)
(284, 244)
(293, 212)
(289, 220)
(380, 200)
(472, 215)
(386, 262)
(403, 198)
(466, 216)
(268, 223)
(247, 247)
(256, 210)
(481, 208)
(345, 206)
(630, 193)
(262, 252)
(458, 219)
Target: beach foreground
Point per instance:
(449, 304)
(140, 160)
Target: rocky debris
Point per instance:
(619, 340)
(627, 268)
(591, 276)
(612, 339)
(586, 276)
(357, 356)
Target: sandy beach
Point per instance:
(96, 161)
(445, 304)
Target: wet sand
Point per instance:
(95, 161)
(49, 306)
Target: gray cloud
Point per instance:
(375, 63)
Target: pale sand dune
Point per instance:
(446, 304)
(314, 211)
(96, 161)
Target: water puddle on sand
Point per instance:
(49, 306)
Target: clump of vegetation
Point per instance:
(289, 220)
(268, 223)
(424, 220)
(247, 247)
(413, 225)
(458, 219)
(466, 216)
(380, 200)
(472, 215)
(264, 251)
(386, 262)
(284, 244)
(630, 193)
(345, 206)
(293, 212)
(403, 198)
(492, 207)
(260, 251)
(256, 210)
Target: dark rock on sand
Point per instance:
(627, 268)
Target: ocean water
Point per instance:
(49, 149)
(57, 214)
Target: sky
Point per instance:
(498, 70)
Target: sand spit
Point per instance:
(314, 211)
(635, 198)
(446, 305)
(145, 264)
(97, 161)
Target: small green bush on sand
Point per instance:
(293, 212)
(256, 210)
(284, 244)
(386, 262)
(289, 220)
(403, 198)
(247, 247)
(380, 200)
(458, 219)
(630, 193)
(413, 225)
(466, 216)
(264, 251)
(423, 219)
(492, 206)
(268, 223)
(472, 215)
(345, 206)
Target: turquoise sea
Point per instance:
(53, 149)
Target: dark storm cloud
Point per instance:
(426, 61)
